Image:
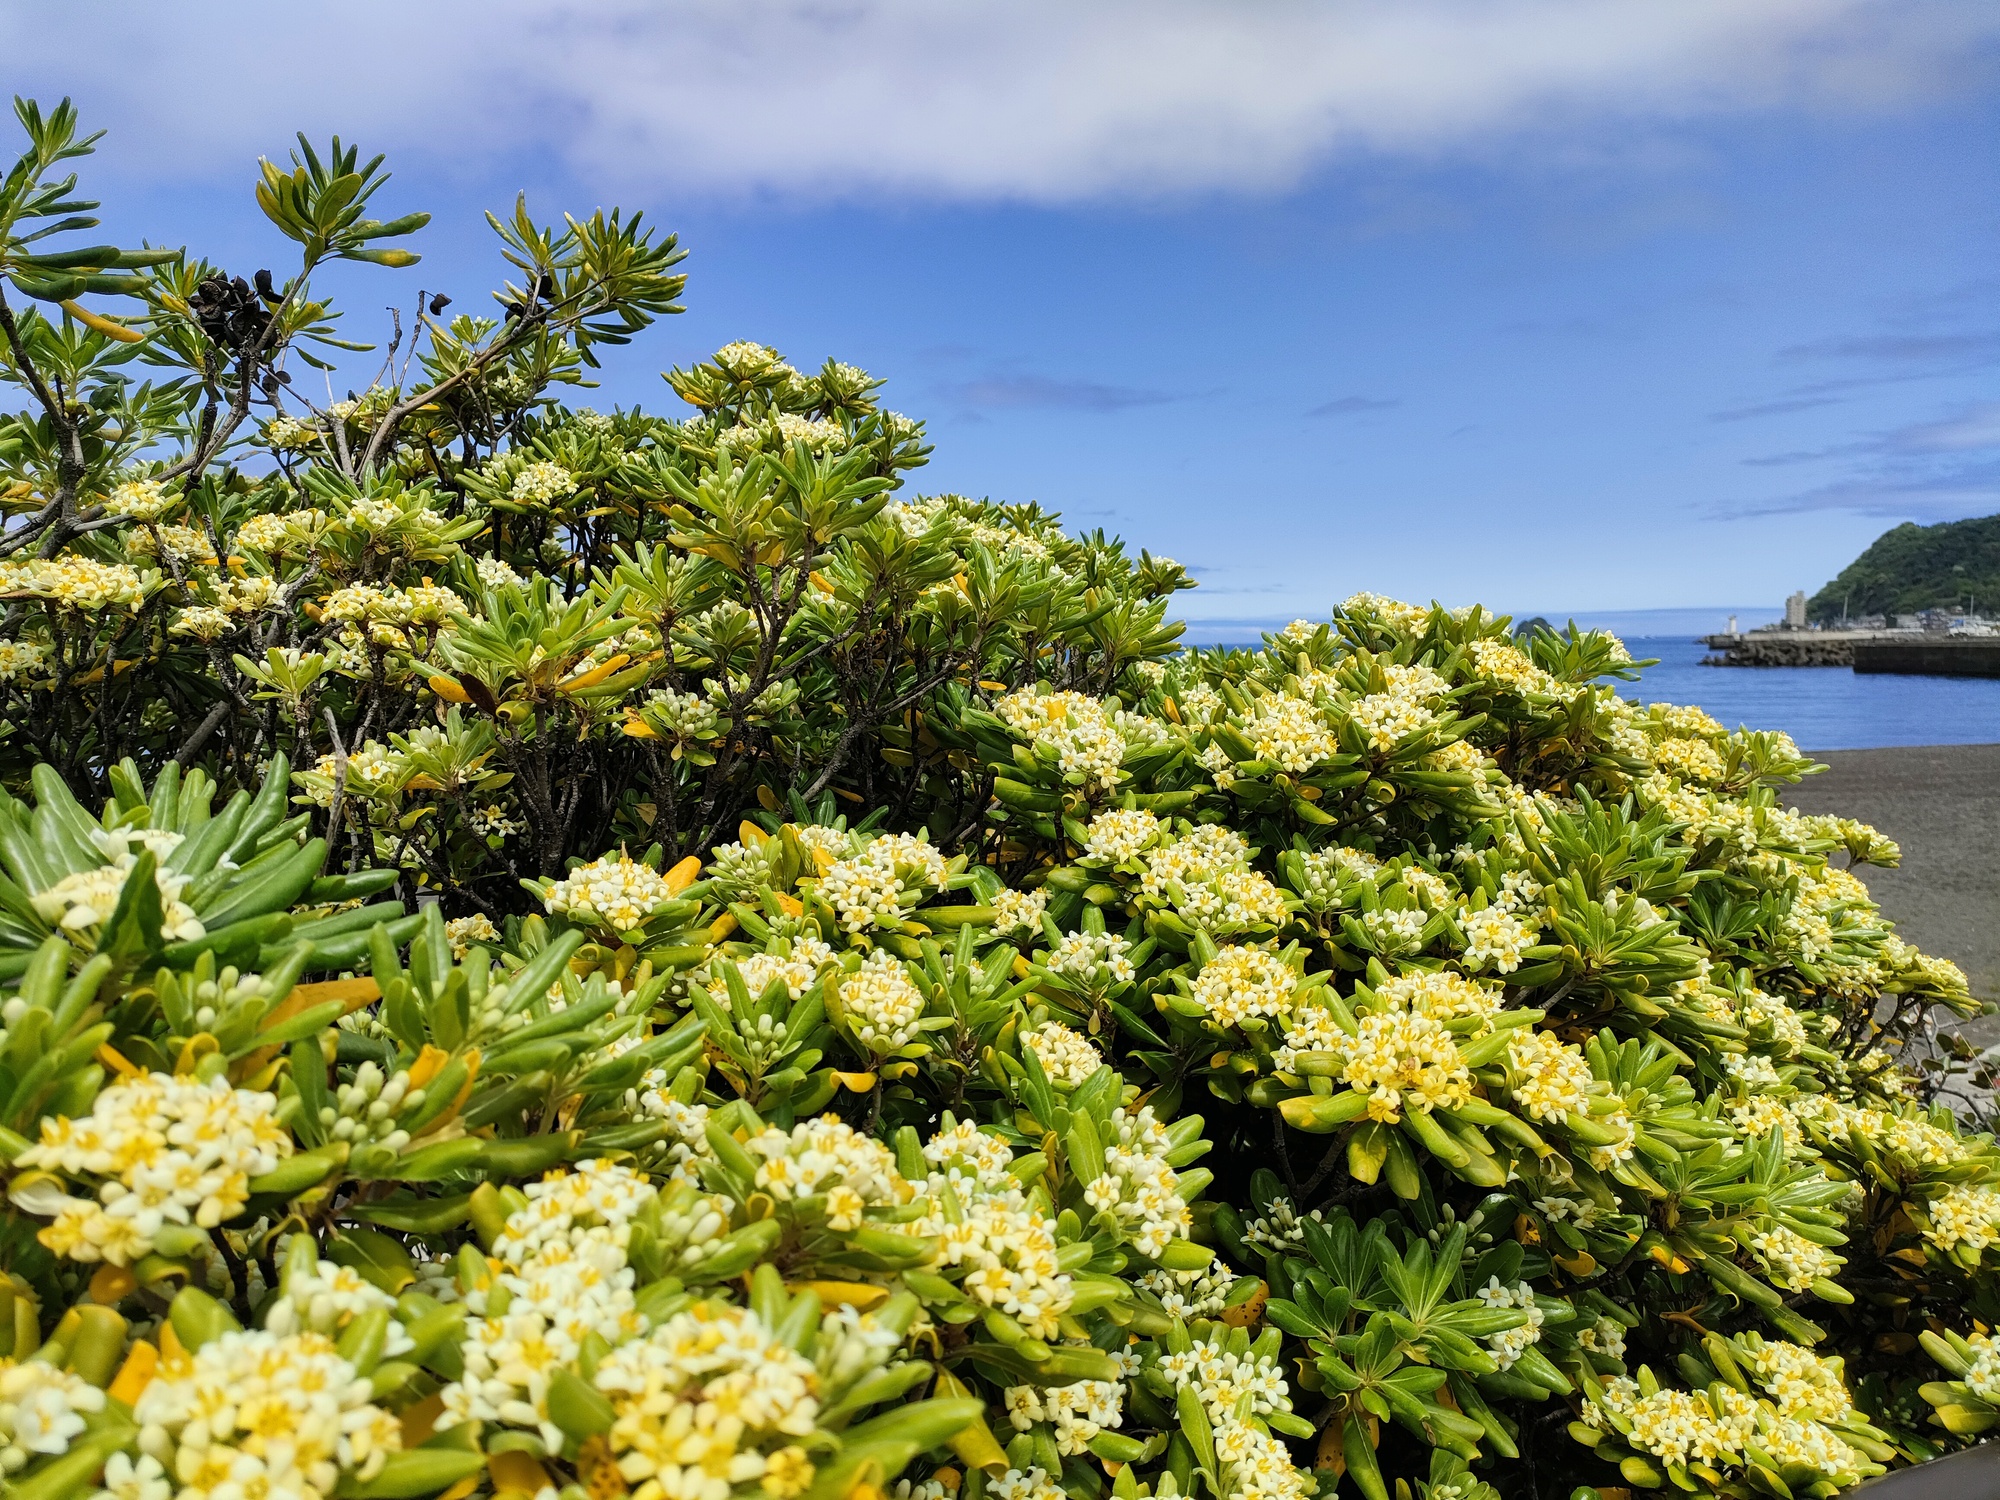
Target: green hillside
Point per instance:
(1918, 567)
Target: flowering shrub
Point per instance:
(877, 1021)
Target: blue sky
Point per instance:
(1554, 304)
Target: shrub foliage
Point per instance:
(547, 951)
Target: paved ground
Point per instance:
(1942, 804)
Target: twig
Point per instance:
(193, 743)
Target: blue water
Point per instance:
(1823, 708)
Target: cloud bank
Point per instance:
(1044, 101)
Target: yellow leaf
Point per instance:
(974, 1443)
(638, 729)
(103, 325)
(766, 798)
(448, 689)
(116, 1061)
(856, 1083)
(1668, 1259)
(1246, 1313)
(683, 875)
(724, 925)
(430, 1062)
(515, 1470)
(750, 835)
(1332, 1457)
(819, 582)
(353, 993)
(862, 1296)
(421, 1420)
(137, 1372)
(791, 906)
(112, 1285)
(594, 676)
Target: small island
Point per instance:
(1909, 603)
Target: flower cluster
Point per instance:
(882, 1004)
(266, 1412)
(827, 1159)
(80, 902)
(1138, 1185)
(876, 887)
(563, 1278)
(1019, 912)
(76, 581)
(1220, 1378)
(1092, 958)
(1087, 740)
(1077, 1412)
(163, 1150)
(991, 1232)
(708, 1401)
(42, 1411)
(1242, 983)
(1510, 1343)
(1066, 1056)
(1966, 1214)
(621, 893)
(1404, 1060)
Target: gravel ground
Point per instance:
(1942, 804)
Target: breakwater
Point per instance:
(1886, 651)
(1787, 648)
(1968, 657)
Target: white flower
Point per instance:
(882, 1004)
(1066, 1056)
(1120, 834)
(539, 482)
(285, 1413)
(42, 1411)
(622, 893)
(1242, 983)
(1019, 911)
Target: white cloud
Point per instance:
(1975, 429)
(1035, 100)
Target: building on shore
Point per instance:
(1932, 641)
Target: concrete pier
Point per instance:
(1922, 653)
(1788, 648)
(1964, 656)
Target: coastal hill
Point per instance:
(1912, 568)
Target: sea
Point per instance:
(1822, 708)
